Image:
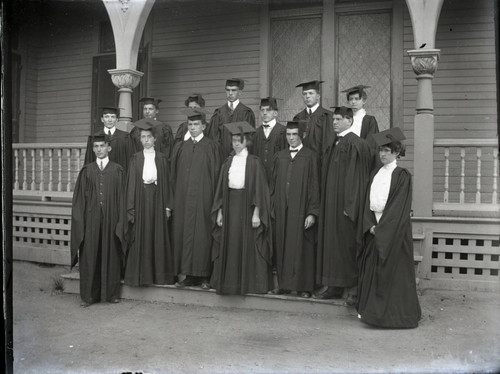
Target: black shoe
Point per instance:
(351, 299)
(304, 294)
(330, 293)
(186, 282)
(205, 284)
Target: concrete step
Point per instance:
(198, 296)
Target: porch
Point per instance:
(457, 248)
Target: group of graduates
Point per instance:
(319, 202)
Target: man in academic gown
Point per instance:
(318, 121)
(232, 111)
(163, 132)
(195, 171)
(295, 199)
(194, 100)
(270, 137)
(346, 170)
(96, 235)
(121, 144)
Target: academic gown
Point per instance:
(241, 254)
(294, 196)
(150, 258)
(164, 139)
(122, 148)
(369, 127)
(195, 173)
(180, 133)
(346, 172)
(218, 132)
(266, 148)
(387, 294)
(96, 235)
(319, 129)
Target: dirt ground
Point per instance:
(459, 333)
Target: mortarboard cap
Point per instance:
(312, 85)
(150, 100)
(356, 89)
(240, 83)
(239, 128)
(146, 124)
(343, 111)
(195, 113)
(196, 97)
(109, 110)
(388, 136)
(99, 138)
(301, 125)
(270, 102)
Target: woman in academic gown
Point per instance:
(387, 295)
(148, 208)
(242, 239)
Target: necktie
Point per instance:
(309, 111)
(194, 140)
(294, 150)
(338, 139)
(101, 166)
(266, 126)
(231, 107)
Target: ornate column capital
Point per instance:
(424, 61)
(125, 78)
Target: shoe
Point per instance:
(186, 282)
(84, 304)
(330, 293)
(205, 285)
(304, 294)
(351, 299)
(115, 301)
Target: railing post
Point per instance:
(446, 173)
(42, 161)
(51, 180)
(33, 166)
(25, 183)
(16, 168)
(494, 194)
(59, 159)
(478, 176)
(68, 185)
(462, 175)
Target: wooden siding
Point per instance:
(29, 65)
(196, 47)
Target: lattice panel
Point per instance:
(296, 58)
(39, 230)
(364, 57)
(466, 257)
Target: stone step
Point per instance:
(208, 298)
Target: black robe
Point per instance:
(164, 139)
(96, 235)
(122, 148)
(195, 173)
(369, 127)
(182, 130)
(294, 196)
(218, 132)
(266, 148)
(387, 294)
(346, 173)
(251, 272)
(150, 256)
(319, 129)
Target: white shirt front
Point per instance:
(149, 172)
(104, 161)
(267, 130)
(293, 154)
(110, 131)
(313, 108)
(358, 121)
(198, 138)
(379, 190)
(235, 103)
(237, 170)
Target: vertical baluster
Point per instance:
(446, 173)
(25, 183)
(68, 185)
(59, 165)
(51, 179)
(462, 175)
(42, 176)
(78, 157)
(16, 166)
(33, 168)
(478, 176)
(494, 193)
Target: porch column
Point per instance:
(424, 59)
(128, 18)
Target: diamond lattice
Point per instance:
(364, 53)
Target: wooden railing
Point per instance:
(46, 170)
(466, 175)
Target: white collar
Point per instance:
(150, 150)
(198, 138)
(111, 130)
(360, 113)
(104, 161)
(345, 132)
(235, 103)
(243, 153)
(271, 123)
(390, 166)
(299, 147)
(314, 107)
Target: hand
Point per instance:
(310, 220)
(219, 218)
(255, 221)
(345, 214)
(169, 213)
(372, 230)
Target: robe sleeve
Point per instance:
(78, 215)
(129, 201)
(89, 152)
(313, 198)
(212, 130)
(167, 140)
(356, 181)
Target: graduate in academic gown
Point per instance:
(295, 200)
(242, 236)
(387, 294)
(195, 172)
(346, 171)
(122, 147)
(232, 111)
(318, 121)
(270, 137)
(163, 132)
(150, 258)
(96, 235)
(194, 100)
